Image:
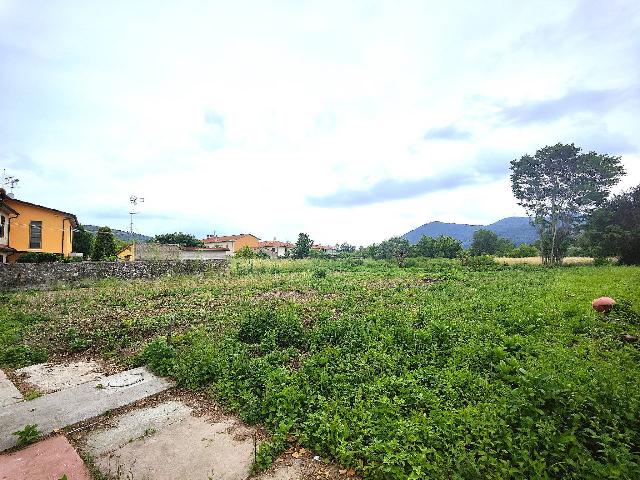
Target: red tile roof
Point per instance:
(226, 238)
(322, 247)
(275, 243)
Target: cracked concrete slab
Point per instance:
(134, 425)
(191, 447)
(46, 460)
(51, 377)
(9, 394)
(79, 403)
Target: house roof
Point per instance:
(124, 248)
(322, 247)
(6, 207)
(227, 238)
(275, 243)
(70, 216)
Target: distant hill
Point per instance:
(121, 234)
(516, 229)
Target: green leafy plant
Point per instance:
(29, 434)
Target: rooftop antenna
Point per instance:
(9, 181)
(134, 201)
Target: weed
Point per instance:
(32, 395)
(28, 434)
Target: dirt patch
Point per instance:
(288, 295)
(299, 463)
(51, 377)
(391, 283)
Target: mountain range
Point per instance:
(516, 229)
(120, 234)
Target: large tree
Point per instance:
(487, 242)
(443, 246)
(179, 238)
(614, 228)
(82, 241)
(396, 248)
(104, 245)
(303, 246)
(559, 187)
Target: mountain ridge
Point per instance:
(120, 234)
(516, 229)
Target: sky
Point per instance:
(351, 121)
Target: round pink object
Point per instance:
(603, 304)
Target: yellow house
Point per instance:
(27, 227)
(232, 242)
(126, 253)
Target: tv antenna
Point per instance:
(9, 181)
(134, 201)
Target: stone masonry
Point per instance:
(16, 275)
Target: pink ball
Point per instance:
(603, 304)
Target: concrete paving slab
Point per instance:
(192, 448)
(51, 377)
(75, 404)
(9, 394)
(283, 472)
(49, 459)
(134, 425)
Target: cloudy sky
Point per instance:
(353, 121)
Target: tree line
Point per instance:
(565, 192)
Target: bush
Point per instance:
(39, 257)
(481, 262)
(524, 251)
(271, 329)
(159, 355)
(245, 252)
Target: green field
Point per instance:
(430, 371)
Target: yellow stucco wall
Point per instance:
(245, 241)
(127, 253)
(57, 229)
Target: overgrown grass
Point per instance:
(431, 371)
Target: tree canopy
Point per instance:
(396, 248)
(443, 246)
(82, 241)
(487, 242)
(179, 238)
(559, 187)
(303, 246)
(104, 245)
(614, 228)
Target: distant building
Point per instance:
(160, 251)
(325, 249)
(275, 248)
(27, 227)
(232, 242)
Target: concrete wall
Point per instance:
(33, 274)
(202, 254)
(156, 251)
(228, 244)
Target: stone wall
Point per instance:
(13, 275)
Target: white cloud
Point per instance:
(107, 100)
